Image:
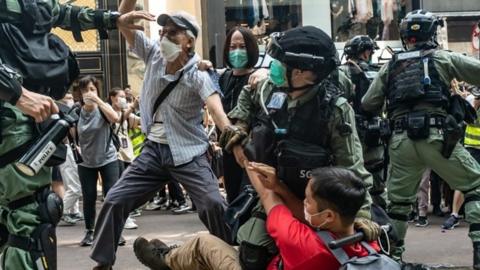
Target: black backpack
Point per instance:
(373, 260)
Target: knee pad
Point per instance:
(50, 206)
(253, 257)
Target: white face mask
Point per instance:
(122, 102)
(169, 49)
(308, 218)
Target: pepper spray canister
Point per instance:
(41, 151)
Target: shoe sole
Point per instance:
(421, 225)
(130, 228)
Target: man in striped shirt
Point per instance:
(177, 141)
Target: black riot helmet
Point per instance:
(358, 45)
(305, 48)
(420, 27)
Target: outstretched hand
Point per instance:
(128, 20)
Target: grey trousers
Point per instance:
(142, 179)
(422, 193)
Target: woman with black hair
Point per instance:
(240, 54)
(97, 149)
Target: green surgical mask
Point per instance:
(278, 73)
(238, 58)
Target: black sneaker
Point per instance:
(412, 217)
(122, 241)
(451, 223)
(151, 254)
(421, 222)
(87, 240)
(77, 216)
(181, 209)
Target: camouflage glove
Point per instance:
(233, 135)
(371, 229)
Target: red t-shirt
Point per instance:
(300, 246)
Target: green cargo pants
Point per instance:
(408, 161)
(16, 129)
(373, 156)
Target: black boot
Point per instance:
(151, 253)
(476, 255)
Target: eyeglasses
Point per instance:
(171, 32)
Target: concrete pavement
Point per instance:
(427, 245)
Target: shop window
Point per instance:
(378, 19)
(263, 16)
(347, 18)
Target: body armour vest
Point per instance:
(296, 140)
(362, 75)
(414, 79)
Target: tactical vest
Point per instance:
(295, 141)
(362, 75)
(412, 79)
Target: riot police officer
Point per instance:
(36, 67)
(298, 121)
(359, 51)
(415, 85)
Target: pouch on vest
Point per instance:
(418, 125)
(239, 210)
(45, 62)
(373, 132)
(296, 159)
(260, 147)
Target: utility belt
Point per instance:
(417, 124)
(372, 131)
(42, 243)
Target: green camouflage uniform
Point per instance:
(372, 155)
(347, 150)
(409, 158)
(16, 129)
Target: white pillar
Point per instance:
(317, 13)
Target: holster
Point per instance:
(452, 133)
(253, 257)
